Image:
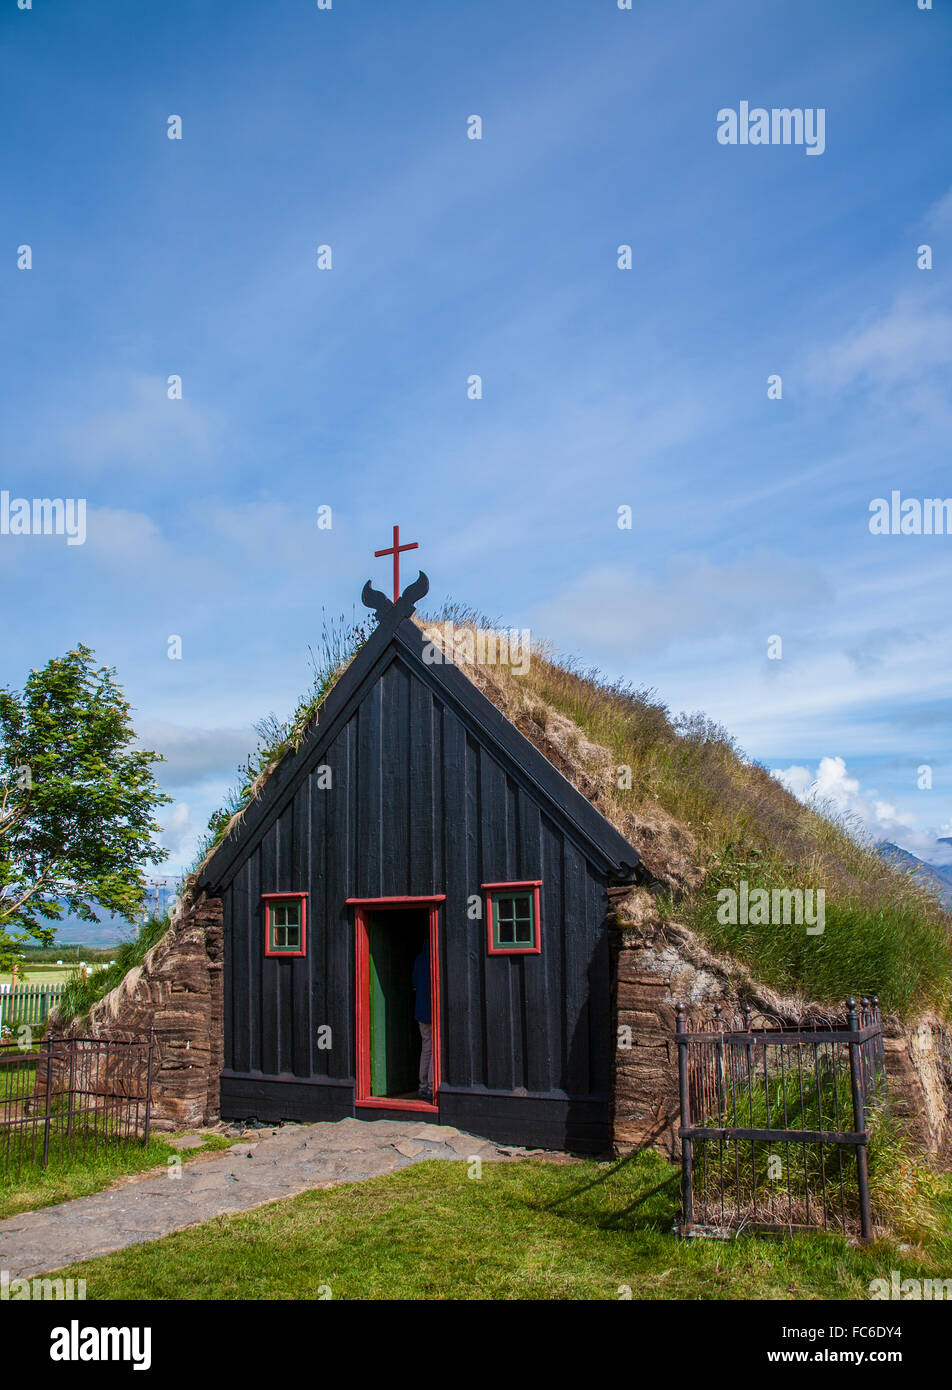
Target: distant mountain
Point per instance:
(932, 875)
(110, 930)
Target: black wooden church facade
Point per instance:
(414, 814)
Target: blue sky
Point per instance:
(451, 256)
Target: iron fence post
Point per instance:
(69, 1087)
(859, 1125)
(46, 1117)
(719, 1067)
(749, 1045)
(687, 1175)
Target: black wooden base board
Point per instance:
(533, 1122)
(580, 1125)
(276, 1098)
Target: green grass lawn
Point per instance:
(527, 1230)
(78, 1172)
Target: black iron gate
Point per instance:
(71, 1095)
(775, 1122)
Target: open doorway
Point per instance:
(395, 941)
(396, 950)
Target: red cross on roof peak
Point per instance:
(395, 551)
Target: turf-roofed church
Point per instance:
(417, 838)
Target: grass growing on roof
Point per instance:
(885, 931)
(526, 1230)
(885, 937)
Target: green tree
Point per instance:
(77, 802)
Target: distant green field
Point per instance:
(45, 974)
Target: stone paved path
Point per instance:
(288, 1161)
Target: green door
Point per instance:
(394, 1035)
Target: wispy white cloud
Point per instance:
(832, 786)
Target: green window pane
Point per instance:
(514, 920)
(285, 921)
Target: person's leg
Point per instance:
(426, 1057)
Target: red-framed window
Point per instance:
(513, 918)
(285, 924)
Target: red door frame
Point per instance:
(362, 908)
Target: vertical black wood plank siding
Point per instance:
(576, 936)
(319, 801)
(439, 810)
(333, 988)
(252, 994)
(493, 801)
(270, 974)
(373, 820)
(417, 805)
(473, 987)
(300, 1062)
(339, 889)
(285, 973)
(392, 831)
(421, 856)
(536, 1075)
(516, 1001)
(553, 952)
(458, 949)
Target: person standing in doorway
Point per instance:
(421, 1012)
